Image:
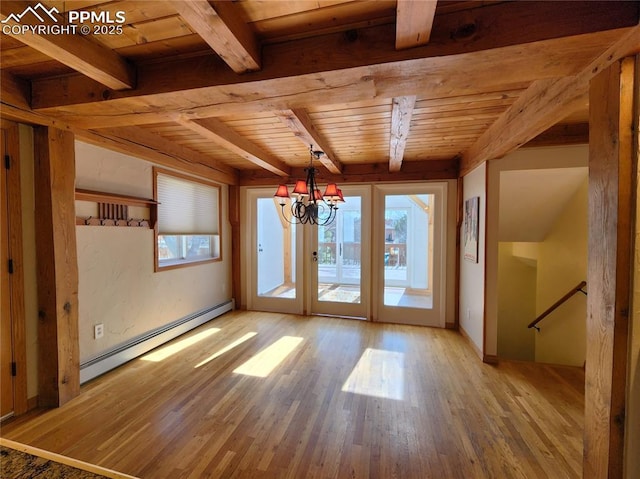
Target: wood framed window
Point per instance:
(188, 227)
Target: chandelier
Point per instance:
(310, 206)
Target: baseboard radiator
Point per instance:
(137, 346)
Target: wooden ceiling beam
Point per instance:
(15, 91)
(363, 173)
(501, 31)
(219, 24)
(401, 114)
(299, 122)
(414, 21)
(561, 134)
(133, 134)
(440, 76)
(542, 105)
(86, 57)
(217, 131)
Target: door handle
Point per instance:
(259, 248)
(340, 249)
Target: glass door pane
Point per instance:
(273, 262)
(338, 280)
(409, 254)
(276, 252)
(339, 255)
(407, 269)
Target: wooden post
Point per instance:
(59, 359)
(612, 190)
(236, 245)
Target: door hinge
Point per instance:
(7, 162)
(14, 369)
(10, 266)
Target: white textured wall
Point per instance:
(118, 286)
(472, 274)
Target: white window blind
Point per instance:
(186, 207)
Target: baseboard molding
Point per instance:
(137, 346)
(476, 349)
(490, 359)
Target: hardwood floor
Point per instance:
(350, 400)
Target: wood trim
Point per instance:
(301, 72)
(130, 147)
(299, 122)
(612, 199)
(69, 461)
(543, 104)
(401, 113)
(224, 136)
(364, 173)
(156, 265)
(561, 135)
(89, 58)
(140, 136)
(102, 197)
(236, 245)
(56, 254)
(226, 33)
(18, 312)
(414, 20)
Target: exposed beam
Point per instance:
(364, 67)
(562, 134)
(56, 254)
(401, 113)
(226, 33)
(299, 122)
(364, 173)
(542, 105)
(129, 146)
(440, 76)
(217, 131)
(133, 134)
(613, 163)
(15, 91)
(414, 20)
(89, 58)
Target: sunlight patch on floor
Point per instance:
(378, 373)
(167, 351)
(220, 352)
(269, 358)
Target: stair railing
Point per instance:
(555, 305)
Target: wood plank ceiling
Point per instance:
(237, 91)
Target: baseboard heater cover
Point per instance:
(138, 346)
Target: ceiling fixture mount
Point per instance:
(309, 205)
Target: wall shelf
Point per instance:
(113, 209)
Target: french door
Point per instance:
(341, 271)
(410, 252)
(383, 258)
(274, 267)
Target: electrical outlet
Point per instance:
(98, 331)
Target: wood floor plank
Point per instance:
(325, 411)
